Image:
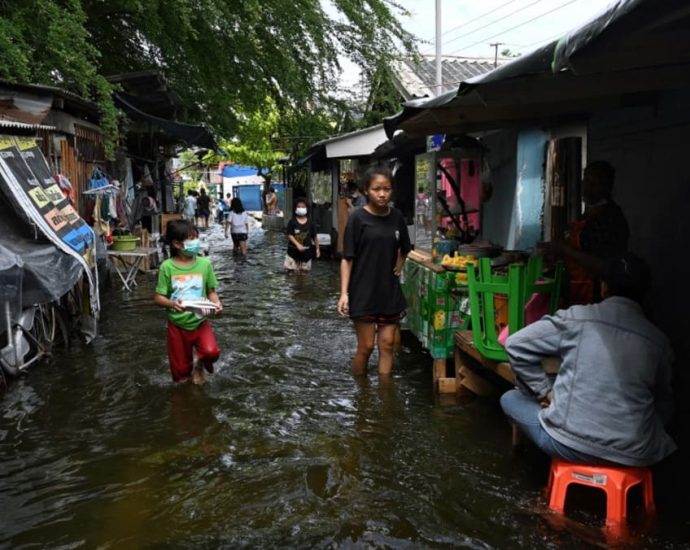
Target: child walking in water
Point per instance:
(182, 277)
(303, 244)
(239, 227)
(375, 247)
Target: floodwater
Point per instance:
(282, 448)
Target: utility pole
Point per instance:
(439, 76)
(495, 46)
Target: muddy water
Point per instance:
(282, 447)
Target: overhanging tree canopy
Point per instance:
(223, 57)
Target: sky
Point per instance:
(469, 26)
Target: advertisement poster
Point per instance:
(26, 181)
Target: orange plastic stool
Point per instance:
(616, 481)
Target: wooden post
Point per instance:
(442, 383)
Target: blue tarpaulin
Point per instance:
(238, 171)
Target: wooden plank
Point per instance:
(446, 385)
(465, 344)
(474, 382)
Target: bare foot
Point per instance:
(198, 376)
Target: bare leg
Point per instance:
(366, 335)
(386, 343)
(243, 248)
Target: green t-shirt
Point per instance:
(189, 282)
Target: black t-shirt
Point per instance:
(372, 243)
(304, 233)
(204, 201)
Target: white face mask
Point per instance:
(301, 211)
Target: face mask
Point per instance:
(192, 247)
(301, 211)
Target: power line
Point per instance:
(494, 21)
(477, 18)
(561, 6)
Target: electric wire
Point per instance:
(523, 8)
(561, 6)
(444, 33)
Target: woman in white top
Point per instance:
(239, 227)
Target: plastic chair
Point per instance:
(535, 283)
(615, 481)
(483, 287)
(521, 283)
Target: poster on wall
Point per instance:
(26, 181)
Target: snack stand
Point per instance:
(447, 219)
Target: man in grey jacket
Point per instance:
(612, 395)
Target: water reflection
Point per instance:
(281, 448)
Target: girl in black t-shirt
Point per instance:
(303, 244)
(375, 247)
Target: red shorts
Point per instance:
(181, 344)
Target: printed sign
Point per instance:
(54, 194)
(70, 214)
(39, 197)
(27, 183)
(56, 220)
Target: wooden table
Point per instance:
(469, 362)
(127, 270)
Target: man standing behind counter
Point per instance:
(601, 234)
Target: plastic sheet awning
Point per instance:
(189, 134)
(46, 272)
(631, 50)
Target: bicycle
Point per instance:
(37, 332)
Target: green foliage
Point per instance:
(256, 148)
(507, 52)
(222, 57)
(190, 165)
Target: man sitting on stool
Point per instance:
(612, 395)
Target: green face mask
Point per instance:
(191, 247)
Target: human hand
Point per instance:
(177, 305)
(343, 305)
(301, 247)
(219, 308)
(397, 270)
(546, 401)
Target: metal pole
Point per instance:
(439, 76)
(495, 46)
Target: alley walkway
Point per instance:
(281, 448)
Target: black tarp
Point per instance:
(46, 272)
(36, 212)
(187, 133)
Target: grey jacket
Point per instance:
(612, 394)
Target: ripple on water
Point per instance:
(281, 448)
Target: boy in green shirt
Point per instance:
(185, 277)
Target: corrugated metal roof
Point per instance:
(419, 79)
(24, 126)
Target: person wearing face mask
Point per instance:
(303, 244)
(182, 279)
(601, 234)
